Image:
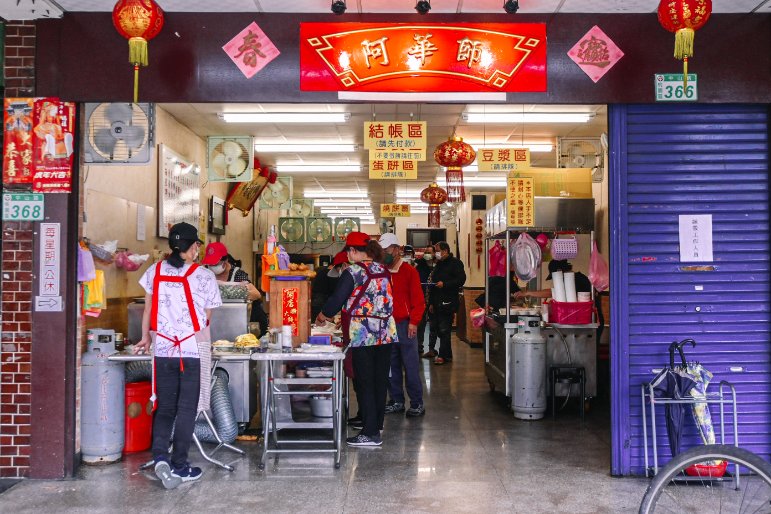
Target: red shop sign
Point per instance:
(500, 57)
(289, 307)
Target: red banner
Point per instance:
(38, 143)
(499, 57)
(289, 307)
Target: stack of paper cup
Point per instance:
(570, 286)
(559, 287)
(584, 296)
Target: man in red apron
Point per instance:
(178, 303)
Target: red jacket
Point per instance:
(409, 302)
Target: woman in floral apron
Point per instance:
(178, 303)
(364, 294)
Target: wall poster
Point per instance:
(179, 190)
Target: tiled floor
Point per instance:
(468, 454)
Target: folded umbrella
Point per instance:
(671, 384)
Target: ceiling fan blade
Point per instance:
(105, 141)
(118, 112)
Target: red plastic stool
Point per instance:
(139, 417)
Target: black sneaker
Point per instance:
(414, 412)
(356, 422)
(363, 440)
(166, 476)
(187, 473)
(393, 407)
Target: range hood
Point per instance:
(552, 214)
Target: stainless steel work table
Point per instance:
(273, 386)
(216, 358)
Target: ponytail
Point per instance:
(374, 251)
(175, 259)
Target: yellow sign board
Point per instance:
(562, 182)
(393, 169)
(396, 136)
(503, 159)
(401, 155)
(394, 210)
(520, 198)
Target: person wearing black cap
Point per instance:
(325, 282)
(582, 281)
(178, 303)
(447, 278)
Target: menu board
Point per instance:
(179, 190)
(520, 202)
(395, 147)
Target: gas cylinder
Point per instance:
(101, 404)
(529, 387)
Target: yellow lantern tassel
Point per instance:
(136, 83)
(138, 51)
(685, 75)
(684, 43)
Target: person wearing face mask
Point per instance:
(220, 262)
(409, 305)
(425, 266)
(447, 278)
(324, 284)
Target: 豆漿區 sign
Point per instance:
(503, 159)
(424, 57)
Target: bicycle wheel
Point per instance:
(700, 491)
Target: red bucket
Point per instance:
(139, 417)
(570, 313)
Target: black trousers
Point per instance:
(177, 401)
(428, 319)
(443, 317)
(371, 365)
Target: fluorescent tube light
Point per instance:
(528, 117)
(336, 193)
(342, 203)
(285, 117)
(305, 148)
(318, 168)
(533, 147)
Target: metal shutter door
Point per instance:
(669, 160)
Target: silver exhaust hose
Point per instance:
(139, 371)
(223, 416)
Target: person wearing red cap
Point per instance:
(325, 282)
(220, 262)
(365, 296)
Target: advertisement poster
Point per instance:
(53, 135)
(17, 140)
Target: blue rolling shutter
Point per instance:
(668, 160)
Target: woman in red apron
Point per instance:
(364, 294)
(178, 303)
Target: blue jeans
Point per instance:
(404, 354)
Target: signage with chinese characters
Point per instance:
(501, 57)
(290, 298)
(595, 53)
(396, 140)
(18, 167)
(50, 268)
(520, 202)
(695, 238)
(393, 169)
(53, 145)
(23, 207)
(503, 159)
(669, 87)
(251, 50)
(394, 210)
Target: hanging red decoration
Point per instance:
(138, 21)
(684, 18)
(434, 196)
(454, 154)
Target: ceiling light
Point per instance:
(341, 203)
(493, 183)
(336, 193)
(318, 168)
(423, 6)
(338, 6)
(511, 6)
(304, 148)
(533, 147)
(528, 117)
(285, 117)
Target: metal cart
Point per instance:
(275, 387)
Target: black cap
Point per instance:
(558, 265)
(183, 232)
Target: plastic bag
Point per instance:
(86, 268)
(599, 274)
(526, 256)
(477, 317)
(283, 258)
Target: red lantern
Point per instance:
(434, 196)
(138, 21)
(454, 154)
(684, 17)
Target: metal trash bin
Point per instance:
(101, 400)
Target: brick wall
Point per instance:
(16, 306)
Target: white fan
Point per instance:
(301, 207)
(319, 230)
(230, 159)
(344, 226)
(277, 196)
(582, 153)
(119, 133)
(291, 230)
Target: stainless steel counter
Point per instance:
(227, 321)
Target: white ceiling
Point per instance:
(30, 9)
